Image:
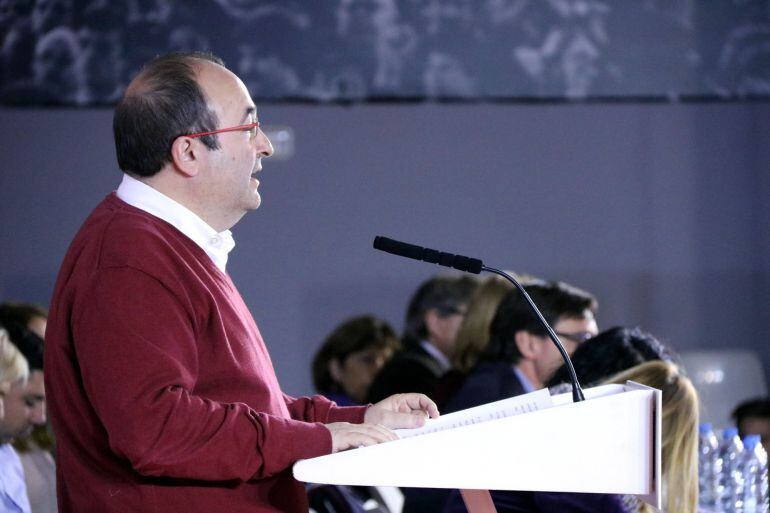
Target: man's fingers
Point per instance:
(347, 436)
(387, 433)
(420, 402)
(410, 420)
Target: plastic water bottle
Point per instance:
(730, 481)
(753, 464)
(708, 465)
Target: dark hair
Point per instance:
(446, 294)
(15, 318)
(556, 300)
(610, 352)
(164, 102)
(355, 334)
(755, 408)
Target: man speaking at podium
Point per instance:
(162, 393)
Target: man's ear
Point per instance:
(527, 344)
(185, 155)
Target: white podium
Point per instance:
(609, 443)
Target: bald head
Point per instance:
(164, 101)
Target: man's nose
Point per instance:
(37, 414)
(264, 146)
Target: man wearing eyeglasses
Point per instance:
(161, 391)
(520, 357)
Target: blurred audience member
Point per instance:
(473, 335)
(350, 358)
(343, 369)
(18, 414)
(25, 402)
(680, 435)
(13, 368)
(611, 351)
(433, 318)
(25, 422)
(520, 357)
(13, 372)
(753, 418)
(504, 370)
(20, 317)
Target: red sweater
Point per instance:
(161, 392)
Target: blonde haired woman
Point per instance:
(14, 371)
(13, 367)
(473, 335)
(679, 452)
(680, 435)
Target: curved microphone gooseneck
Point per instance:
(475, 266)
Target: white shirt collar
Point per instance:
(525, 383)
(440, 357)
(138, 194)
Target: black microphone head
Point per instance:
(395, 247)
(459, 262)
(381, 242)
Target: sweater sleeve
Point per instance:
(320, 409)
(135, 344)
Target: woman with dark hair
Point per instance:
(350, 357)
(611, 351)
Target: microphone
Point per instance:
(459, 262)
(475, 266)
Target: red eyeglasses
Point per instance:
(250, 126)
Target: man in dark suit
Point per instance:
(520, 357)
(433, 318)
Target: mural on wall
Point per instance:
(83, 52)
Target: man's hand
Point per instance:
(401, 411)
(349, 436)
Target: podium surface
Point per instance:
(609, 443)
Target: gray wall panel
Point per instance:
(660, 210)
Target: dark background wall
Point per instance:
(660, 209)
(83, 52)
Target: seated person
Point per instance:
(520, 357)
(433, 317)
(611, 351)
(679, 437)
(350, 358)
(14, 373)
(26, 324)
(473, 335)
(13, 368)
(343, 369)
(753, 418)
